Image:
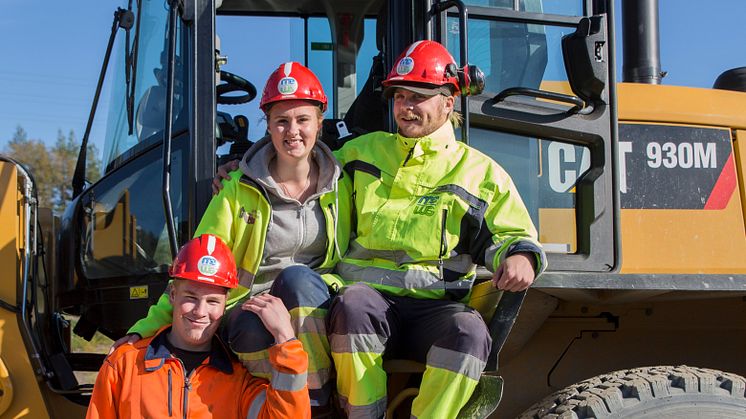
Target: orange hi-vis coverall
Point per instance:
(145, 380)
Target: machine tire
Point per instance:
(649, 392)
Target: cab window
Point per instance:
(519, 54)
(147, 84)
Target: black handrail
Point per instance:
(579, 106)
(166, 178)
(502, 322)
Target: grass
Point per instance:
(100, 344)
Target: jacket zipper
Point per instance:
(443, 244)
(409, 156)
(301, 231)
(334, 222)
(170, 395)
(187, 389)
(353, 215)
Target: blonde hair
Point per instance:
(456, 119)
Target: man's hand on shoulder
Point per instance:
(223, 173)
(128, 339)
(516, 273)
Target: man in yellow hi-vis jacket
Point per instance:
(428, 210)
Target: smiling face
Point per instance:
(294, 127)
(198, 308)
(418, 115)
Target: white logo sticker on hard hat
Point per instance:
(287, 86)
(406, 65)
(208, 265)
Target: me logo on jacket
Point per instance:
(248, 217)
(425, 205)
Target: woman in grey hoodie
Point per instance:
(285, 214)
(307, 229)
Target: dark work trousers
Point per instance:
(367, 326)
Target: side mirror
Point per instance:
(585, 56)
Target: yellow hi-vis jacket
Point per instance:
(428, 211)
(240, 215)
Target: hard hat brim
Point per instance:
(424, 90)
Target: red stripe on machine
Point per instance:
(724, 187)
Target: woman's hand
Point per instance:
(273, 315)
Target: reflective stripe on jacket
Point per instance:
(144, 380)
(427, 211)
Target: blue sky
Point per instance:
(51, 54)
(50, 57)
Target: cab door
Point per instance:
(547, 115)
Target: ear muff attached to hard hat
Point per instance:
(292, 81)
(205, 259)
(428, 64)
(470, 79)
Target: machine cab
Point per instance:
(183, 77)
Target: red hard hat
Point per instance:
(292, 81)
(424, 62)
(205, 259)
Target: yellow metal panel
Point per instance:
(682, 105)
(684, 241)
(673, 104)
(6, 388)
(9, 255)
(26, 400)
(557, 87)
(557, 228)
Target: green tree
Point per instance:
(64, 154)
(33, 154)
(53, 167)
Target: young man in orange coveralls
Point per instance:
(186, 371)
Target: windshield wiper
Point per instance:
(122, 19)
(130, 67)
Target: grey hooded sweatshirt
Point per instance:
(296, 232)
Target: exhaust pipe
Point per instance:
(642, 61)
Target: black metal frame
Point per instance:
(597, 206)
(202, 126)
(166, 175)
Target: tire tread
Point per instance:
(609, 394)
